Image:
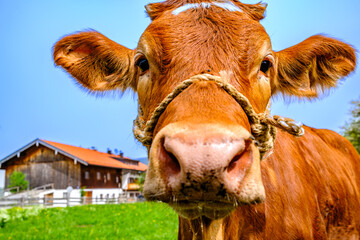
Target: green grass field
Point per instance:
(125, 221)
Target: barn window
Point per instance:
(108, 176)
(131, 180)
(117, 179)
(98, 176)
(87, 175)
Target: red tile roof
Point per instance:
(93, 157)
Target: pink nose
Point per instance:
(204, 169)
(205, 164)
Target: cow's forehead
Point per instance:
(207, 31)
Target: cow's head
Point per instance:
(203, 160)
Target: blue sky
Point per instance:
(38, 100)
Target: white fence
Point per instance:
(8, 191)
(63, 202)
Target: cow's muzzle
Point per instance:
(205, 169)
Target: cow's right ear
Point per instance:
(98, 63)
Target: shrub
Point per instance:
(17, 179)
(82, 191)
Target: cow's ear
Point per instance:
(312, 66)
(98, 63)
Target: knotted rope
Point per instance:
(263, 126)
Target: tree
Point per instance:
(141, 180)
(17, 179)
(351, 130)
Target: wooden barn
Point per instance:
(46, 162)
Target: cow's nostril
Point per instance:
(240, 161)
(174, 163)
(169, 159)
(233, 162)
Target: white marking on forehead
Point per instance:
(227, 5)
(185, 7)
(230, 6)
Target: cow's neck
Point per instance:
(215, 231)
(206, 229)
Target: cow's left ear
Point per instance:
(96, 62)
(312, 66)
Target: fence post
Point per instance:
(44, 201)
(22, 202)
(68, 200)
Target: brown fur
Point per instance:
(313, 66)
(311, 183)
(155, 10)
(98, 63)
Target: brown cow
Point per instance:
(205, 159)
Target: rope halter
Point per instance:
(263, 125)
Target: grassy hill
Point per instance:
(136, 221)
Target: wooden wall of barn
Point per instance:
(42, 166)
(100, 177)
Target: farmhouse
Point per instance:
(46, 162)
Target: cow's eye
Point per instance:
(265, 65)
(143, 64)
